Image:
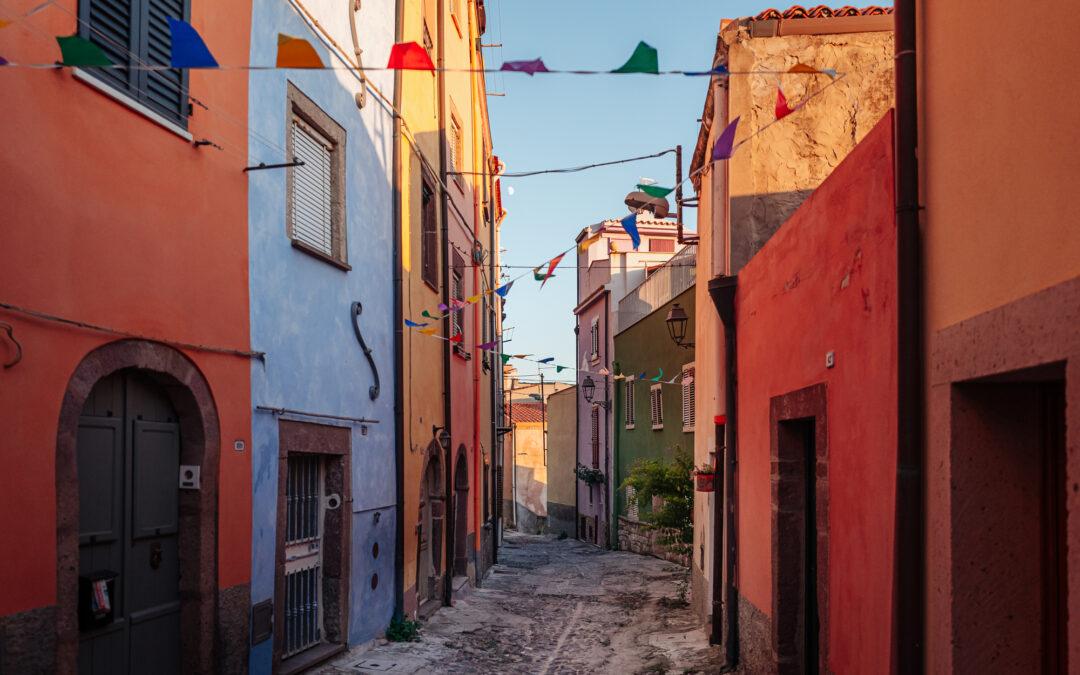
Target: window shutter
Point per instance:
(163, 88)
(688, 397)
(311, 220)
(596, 437)
(656, 402)
(110, 27)
(631, 503)
(693, 399)
(629, 416)
(429, 244)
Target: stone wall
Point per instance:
(635, 536)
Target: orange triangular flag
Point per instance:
(551, 268)
(429, 331)
(296, 53)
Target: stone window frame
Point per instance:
(300, 106)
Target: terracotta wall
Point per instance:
(79, 244)
(826, 282)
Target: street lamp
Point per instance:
(588, 387)
(676, 326)
(443, 435)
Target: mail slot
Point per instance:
(97, 599)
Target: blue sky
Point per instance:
(556, 121)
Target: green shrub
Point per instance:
(673, 482)
(403, 630)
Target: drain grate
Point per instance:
(372, 664)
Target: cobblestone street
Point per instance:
(553, 606)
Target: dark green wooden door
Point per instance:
(129, 458)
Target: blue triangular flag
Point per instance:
(718, 70)
(629, 224)
(414, 324)
(503, 290)
(188, 49)
(641, 376)
(547, 360)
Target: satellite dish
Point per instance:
(638, 202)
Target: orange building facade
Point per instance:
(123, 283)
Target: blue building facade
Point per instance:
(321, 241)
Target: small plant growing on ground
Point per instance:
(674, 484)
(403, 630)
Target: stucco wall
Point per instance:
(562, 437)
(301, 305)
(77, 243)
(826, 282)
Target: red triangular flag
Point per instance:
(782, 109)
(409, 56)
(551, 268)
(456, 338)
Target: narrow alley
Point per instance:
(555, 606)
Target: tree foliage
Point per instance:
(673, 483)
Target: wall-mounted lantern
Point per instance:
(676, 326)
(588, 387)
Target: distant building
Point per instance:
(562, 455)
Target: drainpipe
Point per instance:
(451, 510)
(478, 314)
(607, 420)
(399, 340)
(908, 573)
(725, 602)
(577, 425)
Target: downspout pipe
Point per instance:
(450, 510)
(399, 338)
(908, 573)
(725, 600)
(608, 426)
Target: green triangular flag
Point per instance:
(559, 369)
(77, 51)
(643, 60)
(425, 313)
(655, 190)
(505, 358)
(538, 275)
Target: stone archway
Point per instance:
(432, 519)
(461, 513)
(190, 395)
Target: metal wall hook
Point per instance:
(354, 312)
(11, 336)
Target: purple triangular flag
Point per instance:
(488, 345)
(725, 145)
(527, 67)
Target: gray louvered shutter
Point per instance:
(108, 24)
(310, 218)
(163, 89)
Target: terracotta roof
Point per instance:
(526, 412)
(821, 12)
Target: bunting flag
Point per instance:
(443, 307)
(35, 10)
(3, 61)
(782, 108)
(409, 56)
(413, 324)
(585, 244)
(604, 371)
(655, 190)
(505, 358)
(503, 290)
(188, 48)
(643, 60)
(455, 339)
(527, 67)
(629, 224)
(802, 68)
(429, 331)
(472, 300)
(719, 70)
(641, 376)
(488, 345)
(547, 360)
(559, 369)
(427, 314)
(597, 228)
(77, 51)
(657, 378)
(725, 144)
(296, 53)
(538, 275)
(551, 269)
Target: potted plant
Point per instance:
(587, 475)
(704, 478)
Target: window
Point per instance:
(629, 412)
(656, 403)
(631, 503)
(429, 234)
(457, 151)
(662, 245)
(689, 406)
(594, 336)
(315, 199)
(457, 295)
(136, 33)
(596, 437)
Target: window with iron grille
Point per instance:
(303, 553)
(594, 337)
(429, 234)
(689, 406)
(136, 33)
(457, 293)
(596, 437)
(315, 202)
(656, 403)
(628, 386)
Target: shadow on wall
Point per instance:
(755, 218)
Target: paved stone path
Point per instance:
(552, 607)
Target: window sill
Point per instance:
(312, 251)
(629, 427)
(461, 352)
(434, 287)
(688, 430)
(658, 427)
(123, 99)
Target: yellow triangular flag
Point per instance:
(474, 298)
(584, 246)
(296, 53)
(429, 331)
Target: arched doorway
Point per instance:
(432, 525)
(461, 513)
(133, 413)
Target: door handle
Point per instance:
(156, 554)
